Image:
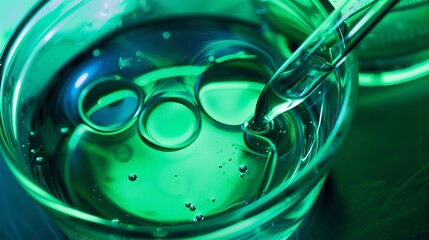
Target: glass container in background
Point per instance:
(124, 118)
(396, 50)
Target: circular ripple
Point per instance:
(110, 103)
(169, 121)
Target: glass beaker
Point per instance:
(124, 118)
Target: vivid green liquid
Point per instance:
(147, 126)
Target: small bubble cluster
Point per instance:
(199, 217)
(190, 206)
(242, 168)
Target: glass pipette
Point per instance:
(316, 58)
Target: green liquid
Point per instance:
(147, 127)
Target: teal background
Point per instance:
(378, 187)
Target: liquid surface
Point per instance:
(148, 125)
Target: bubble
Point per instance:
(166, 35)
(40, 160)
(242, 168)
(242, 175)
(140, 54)
(160, 233)
(123, 152)
(33, 151)
(32, 133)
(188, 205)
(211, 59)
(199, 217)
(65, 131)
(132, 177)
(96, 52)
(116, 221)
(192, 208)
(214, 200)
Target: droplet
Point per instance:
(188, 205)
(242, 168)
(199, 217)
(96, 52)
(166, 35)
(123, 152)
(116, 221)
(65, 131)
(160, 233)
(192, 208)
(132, 177)
(40, 160)
(211, 59)
(140, 54)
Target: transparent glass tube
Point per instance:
(317, 57)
